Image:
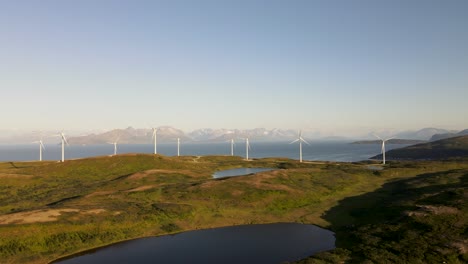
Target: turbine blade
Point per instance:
(65, 139)
(377, 136)
(294, 141)
(305, 141)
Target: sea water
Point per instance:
(318, 150)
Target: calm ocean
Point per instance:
(319, 150)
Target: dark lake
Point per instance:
(238, 172)
(267, 243)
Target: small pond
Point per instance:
(238, 172)
(267, 243)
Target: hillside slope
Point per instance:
(450, 148)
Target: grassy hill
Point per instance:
(450, 148)
(49, 210)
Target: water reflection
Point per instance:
(269, 243)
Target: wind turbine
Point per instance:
(383, 147)
(247, 147)
(41, 147)
(155, 131)
(64, 141)
(300, 139)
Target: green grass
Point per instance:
(147, 195)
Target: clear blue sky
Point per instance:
(329, 65)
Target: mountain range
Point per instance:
(449, 135)
(422, 134)
(132, 135)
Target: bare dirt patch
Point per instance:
(461, 246)
(259, 181)
(210, 184)
(438, 209)
(141, 188)
(93, 211)
(42, 216)
(13, 175)
(237, 193)
(430, 209)
(34, 216)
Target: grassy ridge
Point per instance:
(111, 199)
(449, 148)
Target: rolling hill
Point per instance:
(450, 148)
(449, 135)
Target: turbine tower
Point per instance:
(41, 147)
(64, 141)
(115, 147)
(247, 147)
(300, 139)
(155, 131)
(383, 147)
(178, 147)
(232, 147)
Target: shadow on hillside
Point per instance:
(388, 204)
(14, 165)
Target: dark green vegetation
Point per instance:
(423, 219)
(49, 210)
(450, 148)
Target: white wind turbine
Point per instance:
(115, 145)
(383, 147)
(41, 147)
(155, 132)
(300, 139)
(64, 141)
